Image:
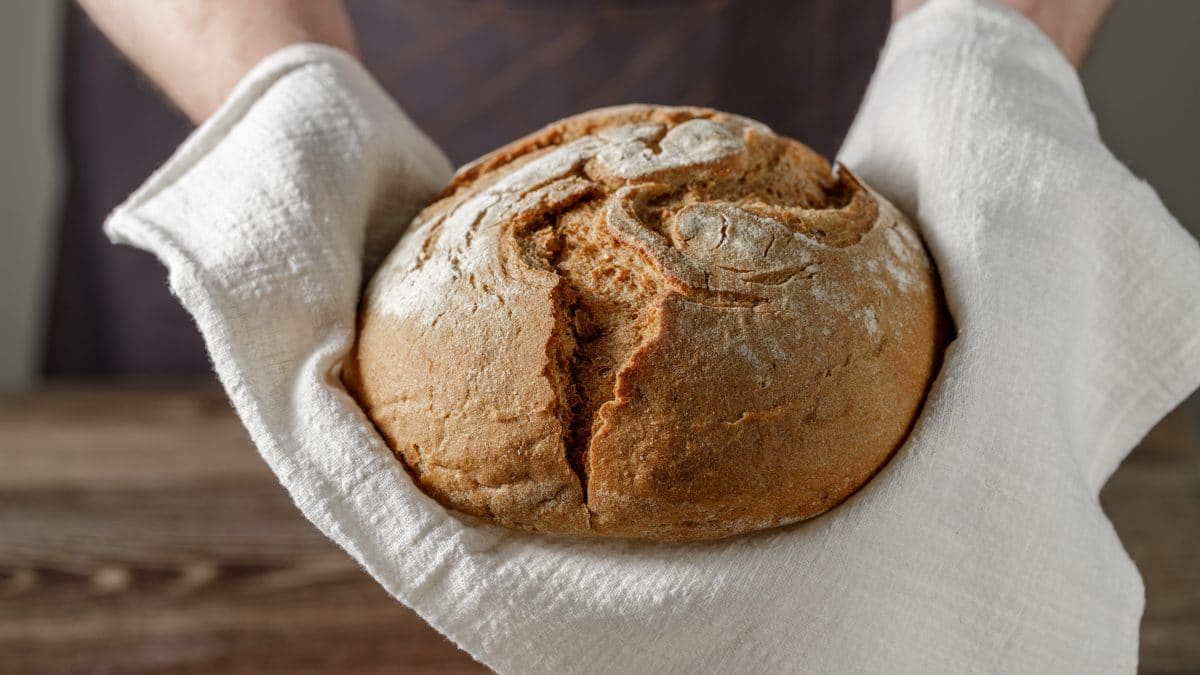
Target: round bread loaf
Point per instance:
(651, 322)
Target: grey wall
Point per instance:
(29, 31)
(1143, 81)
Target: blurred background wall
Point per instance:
(1143, 81)
(29, 172)
(64, 89)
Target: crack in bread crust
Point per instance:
(604, 306)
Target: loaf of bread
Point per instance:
(666, 323)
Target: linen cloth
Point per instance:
(981, 547)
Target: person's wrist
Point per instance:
(1070, 24)
(196, 51)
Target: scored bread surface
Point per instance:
(651, 322)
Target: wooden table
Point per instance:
(140, 532)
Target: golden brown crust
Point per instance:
(649, 322)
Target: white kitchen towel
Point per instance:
(981, 547)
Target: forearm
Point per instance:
(195, 51)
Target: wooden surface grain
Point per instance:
(140, 532)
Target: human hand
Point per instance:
(195, 51)
(1070, 24)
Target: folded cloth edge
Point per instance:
(186, 275)
(915, 34)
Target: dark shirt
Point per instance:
(474, 74)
